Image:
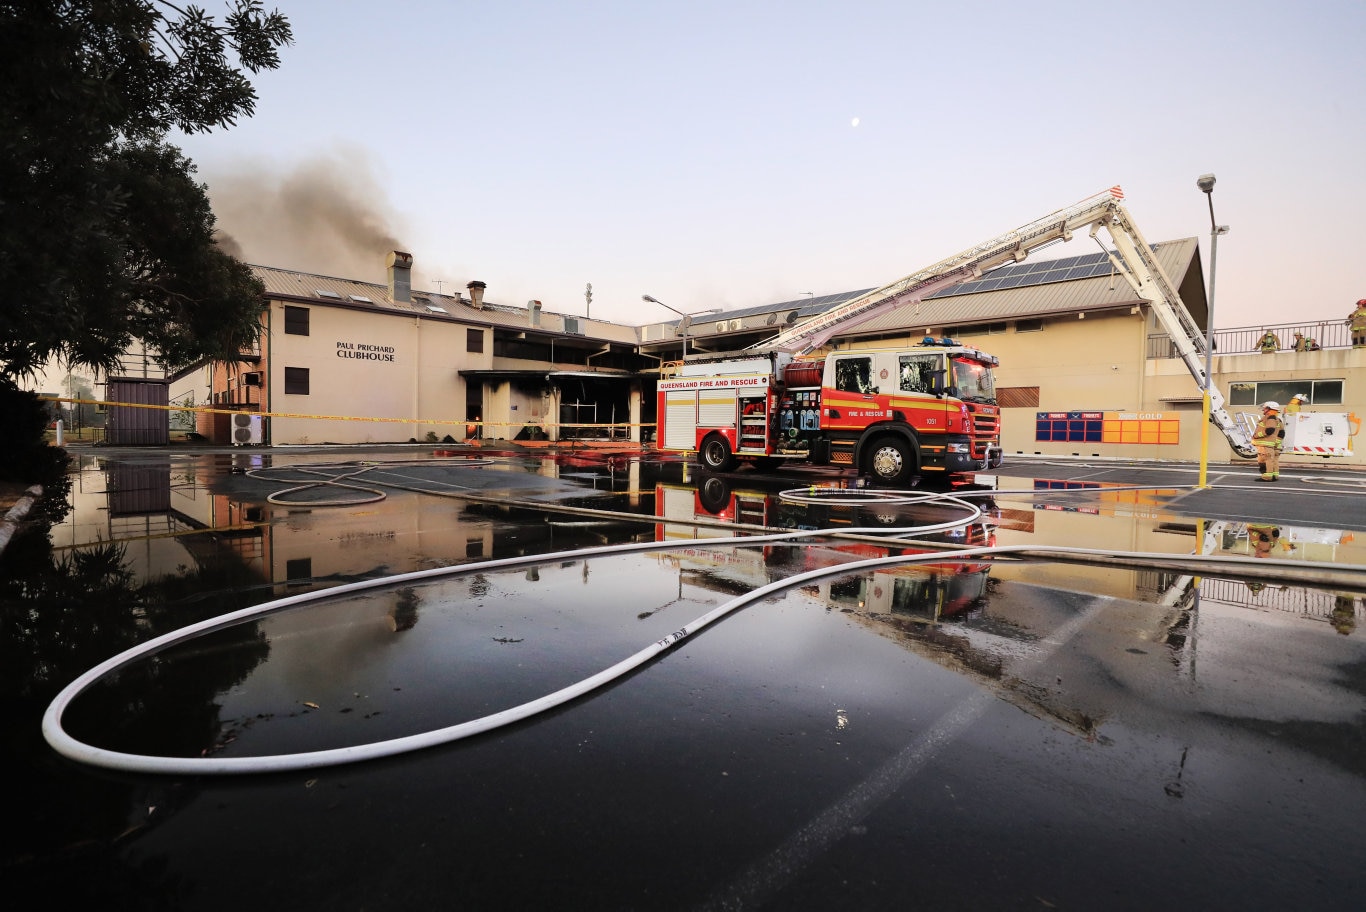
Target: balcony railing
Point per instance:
(1246, 339)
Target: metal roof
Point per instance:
(1041, 288)
(329, 291)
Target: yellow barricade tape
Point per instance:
(211, 410)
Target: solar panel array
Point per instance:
(1044, 272)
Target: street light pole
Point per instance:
(684, 323)
(1206, 184)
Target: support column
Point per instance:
(633, 409)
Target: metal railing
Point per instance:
(1246, 339)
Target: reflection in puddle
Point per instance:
(519, 636)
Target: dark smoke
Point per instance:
(228, 244)
(328, 215)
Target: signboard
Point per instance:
(1146, 428)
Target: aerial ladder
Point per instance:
(1132, 258)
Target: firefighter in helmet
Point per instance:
(1296, 401)
(1357, 321)
(1268, 439)
(1268, 343)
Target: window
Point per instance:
(299, 569)
(980, 329)
(1017, 397)
(854, 375)
(474, 340)
(1320, 392)
(1028, 326)
(972, 381)
(296, 320)
(917, 372)
(296, 380)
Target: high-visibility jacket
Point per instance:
(1269, 343)
(1270, 432)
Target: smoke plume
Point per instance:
(328, 215)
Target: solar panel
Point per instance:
(324, 293)
(1044, 272)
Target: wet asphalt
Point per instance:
(948, 735)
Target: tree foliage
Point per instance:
(105, 235)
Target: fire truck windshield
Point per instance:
(973, 381)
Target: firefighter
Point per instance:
(1263, 537)
(1305, 344)
(1268, 439)
(1344, 616)
(1293, 406)
(1268, 343)
(1357, 320)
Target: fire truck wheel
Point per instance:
(889, 462)
(714, 494)
(716, 454)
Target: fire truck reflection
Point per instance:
(929, 591)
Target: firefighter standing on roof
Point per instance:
(1357, 320)
(1268, 439)
(1268, 343)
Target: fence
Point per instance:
(1245, 339)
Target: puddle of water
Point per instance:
(752, 729)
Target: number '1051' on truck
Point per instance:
(891, 414)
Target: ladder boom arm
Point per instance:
(1013, 246)
(1134, 260)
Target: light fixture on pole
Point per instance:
(1205, 183)
(684, 323)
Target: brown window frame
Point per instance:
(296, 381)
(296, 320)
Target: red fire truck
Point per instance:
(889, 413)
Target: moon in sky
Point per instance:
(854, 122)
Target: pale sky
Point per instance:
(739, 153)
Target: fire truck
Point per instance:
(892, 413)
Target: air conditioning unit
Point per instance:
(246, 429)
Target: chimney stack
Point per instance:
(400, 276)
(476, 290)
(534, 312)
